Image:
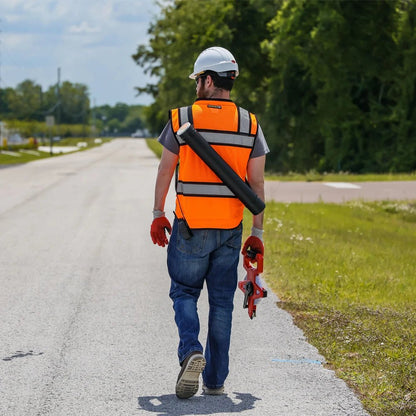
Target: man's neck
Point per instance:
(215, 93)
(220, 93)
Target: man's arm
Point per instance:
(160, 223)
(165, 171)
(255, 177)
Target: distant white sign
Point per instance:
(50, 121)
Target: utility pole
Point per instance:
(58, 93)
(0, 53)
(93, 118)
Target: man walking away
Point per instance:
(206, 236)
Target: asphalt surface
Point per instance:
(339, 192)
(86, 322)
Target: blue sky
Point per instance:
(90, 40)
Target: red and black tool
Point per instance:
(252, 291)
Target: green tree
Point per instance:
(404, 116)
(4, 103)
(25, 101)
(342, 91)
(119, 111)
(121, 117)
(183, 30)
(114, 126)
(102, 112)
(134, 119)
(69, 105)
(333, 82)
(74, 103)
(334, 74)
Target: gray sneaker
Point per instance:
(188, 379)
(213, 392)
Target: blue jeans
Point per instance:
(211, 256)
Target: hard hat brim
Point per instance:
(194, 75)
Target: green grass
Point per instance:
(155, 147)
(347, 274)
(25, 157)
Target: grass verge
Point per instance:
(155, 147)
(341, 177)
(347, 273)
(21, 157)
(25, 154)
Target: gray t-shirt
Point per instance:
(168, 139)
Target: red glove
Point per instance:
(255, 244)
(157, 231)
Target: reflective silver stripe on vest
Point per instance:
(203, 189)
(183, 118)
(244, 121)
(224, 138)
(183, 115)
(228, 139)
(232, 139)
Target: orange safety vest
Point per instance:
(201, 197)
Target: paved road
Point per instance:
(86, 323)
(340, 192)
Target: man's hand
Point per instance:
(157, 231)
(253, 243)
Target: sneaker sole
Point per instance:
(188, 384)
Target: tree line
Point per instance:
(119, 119)
(69, 103)
(333, 83)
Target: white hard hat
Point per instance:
(215, 59)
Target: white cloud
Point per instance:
(83, 27)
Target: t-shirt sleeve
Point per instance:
(260, 145)
(167, 139)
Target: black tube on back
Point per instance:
(217, 164)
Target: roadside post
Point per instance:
(2, 144)
(50, 122)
